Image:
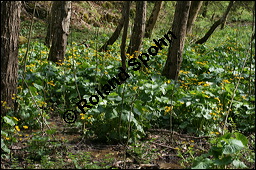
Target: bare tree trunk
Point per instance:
(138, 28)
(152, 19)
(223, 24)
(205, 8)
(215, 25)
(10, 26)
(193, 11)
(117, 32)
(174, 58)
(48, 38)
(61, 14)
(126, 24)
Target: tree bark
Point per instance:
(152, 19)
(215, 25)
(193, 11)
(61, 14)
(138, 28)
(205, 8)
(10, 26)
(174, 58)
(223, 24)
(48, 38)
(126, 24)
(118, 30)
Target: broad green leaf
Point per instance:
(4, 133)
(115, 114)
(236, 142)
(242, 138)
(39, 87)
(9, 121)
(216, 151)
(216, 70)
(239, 164)
(233, 146)
(163, 90)
(155, 77)
(4, 147)
(206, 164)
(224, 161)
(188, 103)
(207, 116)
(136, 111)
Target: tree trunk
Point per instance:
(215, 25)
(61, 14)
(193, 11)
(223, 24)
(48, 38)
(126, 24)
(152, 19)
(10, 26)
(138, 28)
(117, 32)
(205, 8)
(174, 58)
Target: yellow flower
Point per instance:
(206, 84)
(206, 96)
(25, 127)
(217, 99)
(225, 81)
(15, 118)
(51, 83)
(168, 109)
(17, 128)
(7, 138)
(184, 72)
(3, 103)
(82, 117)
(135, 87)
(239, 77)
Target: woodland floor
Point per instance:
(67, 148)
(160, 149)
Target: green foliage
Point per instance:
(8, 133)
(199, 102)
(224, 152)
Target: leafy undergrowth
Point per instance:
(214, 95)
